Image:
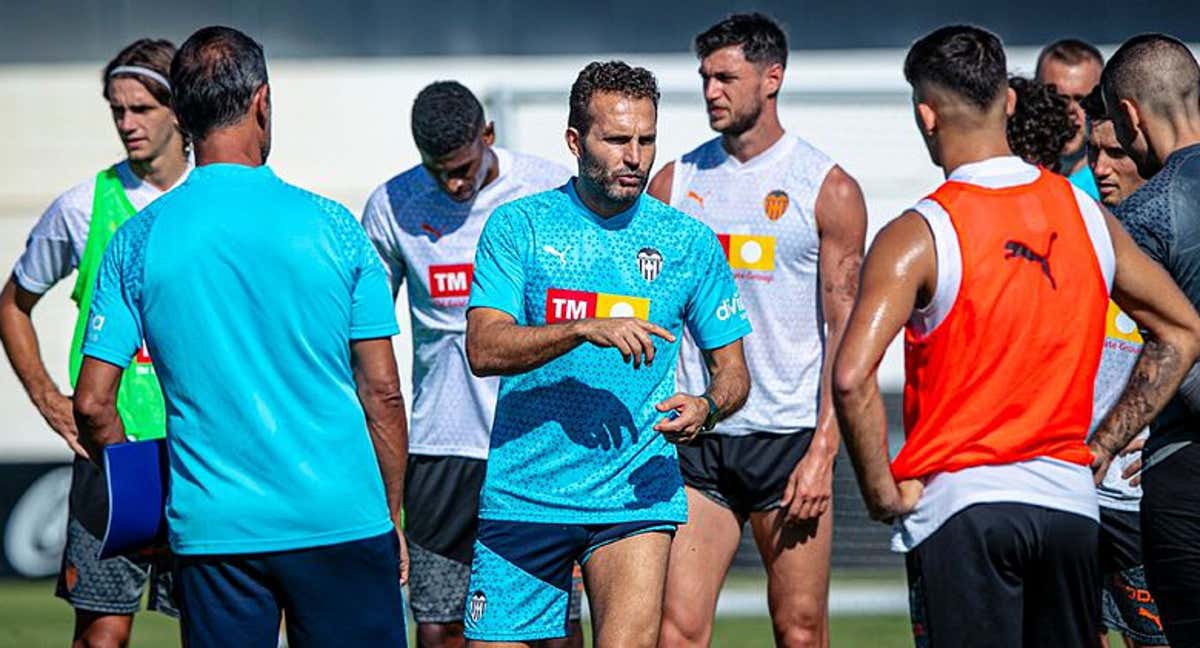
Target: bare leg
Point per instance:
(797, 562)
(700, 557)
(101, 630)
(625, 583)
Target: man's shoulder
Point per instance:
(76, 201)
(706, 155)
(402, 189)
(675, 222)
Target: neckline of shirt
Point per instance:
(228, 170)
(996, 173)
(616, 221)
(133, 182)
(777, 149)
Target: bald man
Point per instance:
(1073, 68)
(1152, 91)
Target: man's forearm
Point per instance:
(21, 345)
(388, 428)
(99, 425)
(1156, 377)
(507, 348)
(863, 425)
(729, 387)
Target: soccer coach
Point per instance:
(269, 320)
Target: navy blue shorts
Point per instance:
(346, 594)
(521, 575)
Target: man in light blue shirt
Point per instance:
(267, 314)
(579, 299)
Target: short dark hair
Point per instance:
(1070, 51)
(149, 53)
(214, 76)
(445, 117)
(616, 77)
(1093, 105)
(1040, 126)
(966, 60)
(1157, 69)
(761, 38)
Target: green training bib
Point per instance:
(139, 400)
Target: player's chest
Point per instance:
(764, 225)
(442, 266)
(602, 274)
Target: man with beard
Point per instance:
(579, 298)
(1127, 605)
(73, 234)
(1073, 68)
(425, 223)
(792, 223)
(1152, 93)
(991, 493)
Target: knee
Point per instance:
(802, 626)
(677, 632)
(440, 635)
(103, 637)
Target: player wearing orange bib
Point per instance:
(1000, 280)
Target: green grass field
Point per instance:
(30, 617)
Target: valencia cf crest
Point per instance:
(476, 606)
(650, 262)
(775, 204)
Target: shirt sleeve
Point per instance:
(715, 315)
(372, 309)
(114, 328)
(50, 252)
(377, 221)
(499, 280)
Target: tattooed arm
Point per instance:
(1172, 330)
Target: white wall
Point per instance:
(341, 128)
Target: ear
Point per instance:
(1132, 113)
(489, 134)
(926, 119)
(574, 142)
(261, 105)
(773, 79)
(1010, 102)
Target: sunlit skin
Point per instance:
(1116, 173)
(463, 172)
(735, 89)
(1073, 82)
(148, 131)
(616, 153)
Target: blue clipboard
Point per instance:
(137, 477)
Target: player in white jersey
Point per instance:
(104, 593)
(792, 224)
(425, 224)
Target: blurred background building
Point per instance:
(343, 78)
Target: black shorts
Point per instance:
(745, 474)
(441, 520)
(1127, 605)
(1006, 574)
(113, 585)
(1171, 542)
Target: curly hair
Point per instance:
(1040, 126)
(615, 77)
(446, 116)
(762, 39)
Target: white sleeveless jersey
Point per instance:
(427, 241)
(764, 213)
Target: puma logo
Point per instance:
(1150, 615)
(1019, 250)
(561, 256)
(431, 231)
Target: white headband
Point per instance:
(139, 70)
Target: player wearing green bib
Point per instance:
(72, 235)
